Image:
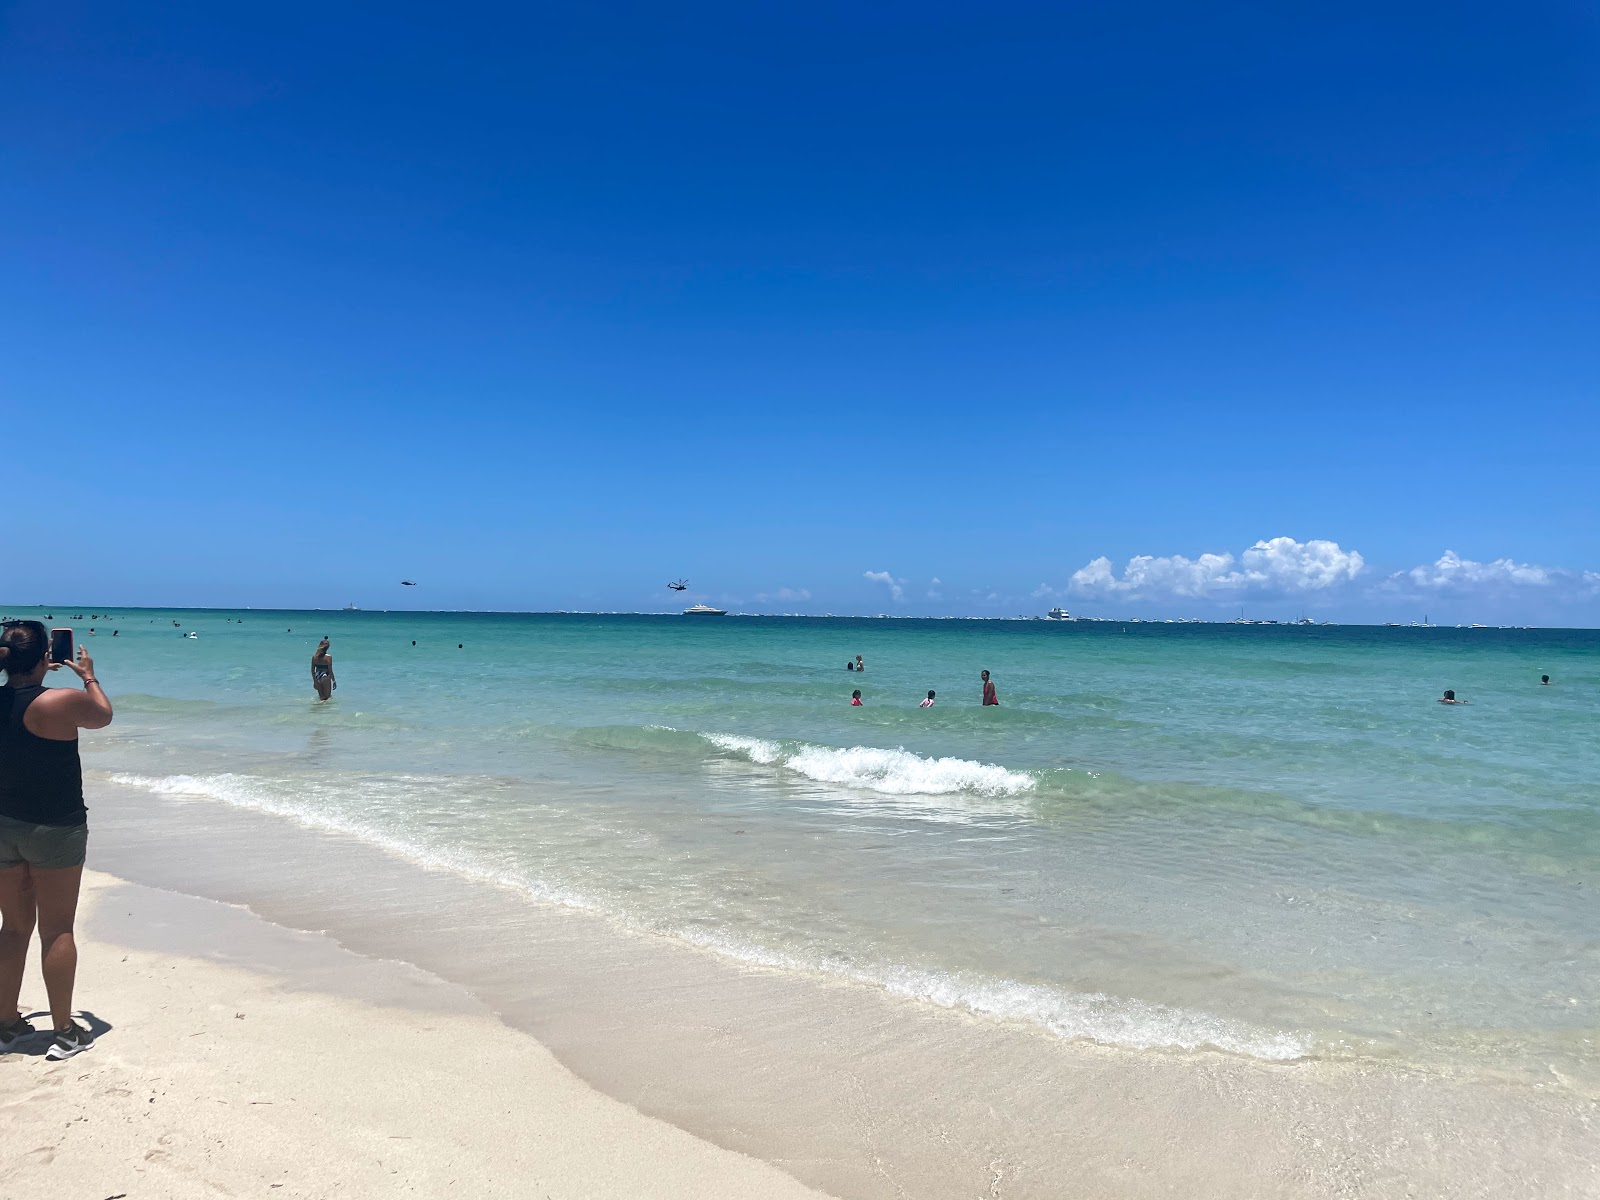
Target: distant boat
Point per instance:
(1475, 626)
(351, 608)
(1058, 614)
(704, 610)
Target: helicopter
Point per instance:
(681, 586)
(408, 583)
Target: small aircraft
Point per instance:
(681, 586)
(408, 583)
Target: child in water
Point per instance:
(1450, 698)
(855, 699)
(928, 703)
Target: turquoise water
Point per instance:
(1265, 840)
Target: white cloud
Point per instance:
(1453, 571)
(933, 589)
(1276, 564)
(897, 587)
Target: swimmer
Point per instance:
(1545, 679)
(1450, 698)
(855, 699)
(848, 665)
(860, 666)
(928, 703)
(322, 671)
(990, 696)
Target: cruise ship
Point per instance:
(1058, 614)
(704, 610)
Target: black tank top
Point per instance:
(41, 779)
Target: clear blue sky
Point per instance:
(543, 306)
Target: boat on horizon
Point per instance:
(704, 610)
(1058, 614)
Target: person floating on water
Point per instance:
(928, 703)
(855, 699)
(990, 696)
(322, 671)
(1450, 698)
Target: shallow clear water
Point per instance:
(1269, 840)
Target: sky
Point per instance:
(1146, 309)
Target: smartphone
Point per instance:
(60, 645)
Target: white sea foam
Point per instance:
(1089, 1016)
(314, 808)
(894, 772)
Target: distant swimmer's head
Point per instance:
(930, 693)
(1450, 696)
(855, 696)
(22, 649)
(849, 666)
(1544, 679)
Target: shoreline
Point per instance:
(853, 1091)
(236, 1056)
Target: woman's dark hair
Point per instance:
(22, 646)
(930, 695)
(856, 695)
(1449, 695)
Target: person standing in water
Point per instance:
(322, 671)
(990, 696)
(855, 699)
(44, 830)
(860, 666)
(928, 703)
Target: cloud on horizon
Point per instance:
(1450, 572)
(897, 587)
(1279, 564)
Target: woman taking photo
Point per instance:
(43, 826)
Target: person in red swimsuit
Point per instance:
(855, 699)
(990, 696)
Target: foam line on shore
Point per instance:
(1109, 1020)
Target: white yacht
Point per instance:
(704, 610)
(1058, 614)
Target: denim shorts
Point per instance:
(47, 847)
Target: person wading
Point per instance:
(322, 671)
(44, 828)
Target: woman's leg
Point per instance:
(16, 927)
(56, 894)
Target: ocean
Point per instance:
(1265, 841)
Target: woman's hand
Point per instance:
(83, 665)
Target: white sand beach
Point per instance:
(299, 1069)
